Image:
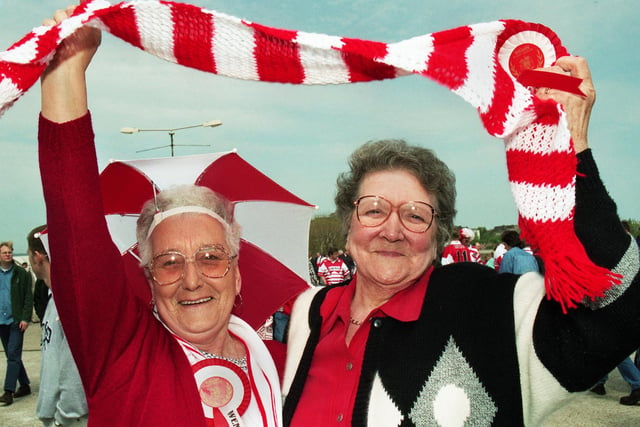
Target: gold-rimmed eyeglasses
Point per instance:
(415, 216)
(212, 262)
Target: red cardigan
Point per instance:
(133, 371)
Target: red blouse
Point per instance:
(330, 390)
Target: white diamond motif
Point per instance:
(451, 396)
(382, 410)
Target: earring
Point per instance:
(237, 304)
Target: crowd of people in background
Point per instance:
(511, 255)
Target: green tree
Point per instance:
(324, 232)
(634, 227)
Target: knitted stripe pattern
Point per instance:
(477, 62)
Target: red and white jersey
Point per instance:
(333, 271)
(474, 253)
(457, 252)
(497, 256)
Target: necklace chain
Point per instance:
(241, 362)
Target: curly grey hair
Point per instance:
(186, 195)
(436, 178)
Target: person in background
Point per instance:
(182, 359)
(516, 260)
(61, 399)
(333, 269)
(498, 254)
(491, 261)
(407, 343)
(318, 259)
(16, 308)
(461, 250)
(631, 375)
(346, 257)
(314, 280)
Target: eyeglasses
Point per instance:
(212, 262)
(415, 216)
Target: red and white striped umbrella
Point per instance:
(275, 222)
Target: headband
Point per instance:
(161, 216)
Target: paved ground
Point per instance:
(586, 410)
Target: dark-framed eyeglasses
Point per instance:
(212, 262)
(415, 216)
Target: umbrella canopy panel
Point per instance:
(275, 222)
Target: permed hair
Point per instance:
(186, 195)
(436, 178)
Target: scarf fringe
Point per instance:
(571, 278)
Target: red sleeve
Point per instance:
(87, 273)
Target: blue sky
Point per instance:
(302, 136)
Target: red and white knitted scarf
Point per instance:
(481, 63)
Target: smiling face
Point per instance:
(196, 308)
(389, 255)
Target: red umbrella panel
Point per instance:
(275, 223)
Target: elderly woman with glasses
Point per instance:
(183, 360)
(408, 343)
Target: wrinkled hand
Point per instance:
(578, 108)
(64, 92)
(78, 48)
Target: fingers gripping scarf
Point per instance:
(480, 63)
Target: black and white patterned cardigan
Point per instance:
(488, 348)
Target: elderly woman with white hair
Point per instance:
(184, 359)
